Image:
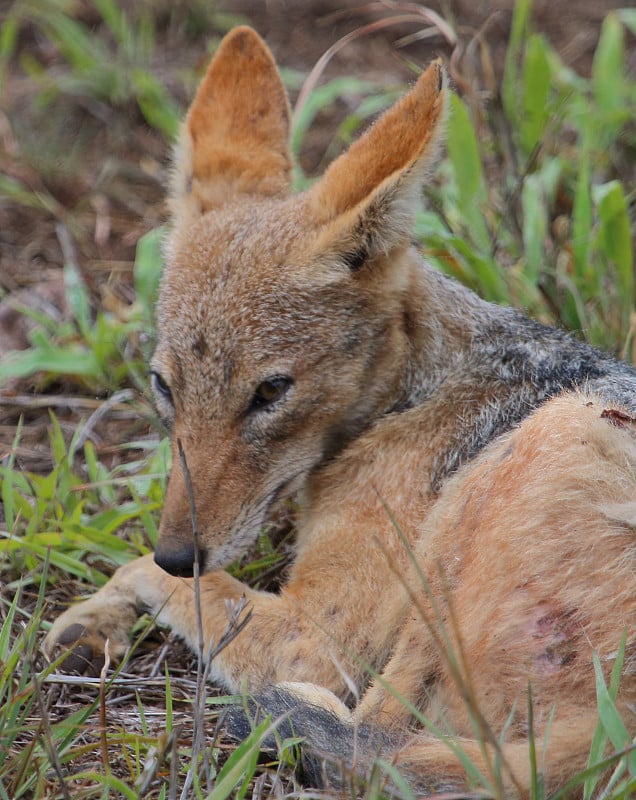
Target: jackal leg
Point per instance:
(284, 639)
(518, 559)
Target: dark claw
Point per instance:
(82, 658)
(72, 634)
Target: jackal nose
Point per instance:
(178, 561)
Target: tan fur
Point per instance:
(397, 377)
(537, 576)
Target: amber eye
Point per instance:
(160, 386)
(269, 391)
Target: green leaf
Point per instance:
(467, 172)
(582, 211)
(6, 629)
(241, 763)
(70, 360)
(485, 274)
(56, 439)
(616, 239)
(17, 192)
(114, 17)
(537, 199)
(535, 92)
(535, 225)
(82, 50)
(608, 65)
(510, 82)
(10, 479)
(8, 39)
(156, 105)
(148, 269)
(109, 782)
(78, 298)
(611, 719)
(321, 98)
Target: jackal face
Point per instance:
(281, 331)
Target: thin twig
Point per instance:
(141, 682)
(174, 769)
(156, 757)
(55, 401)
(408, 12)
(103, 719)
(123, 396)
(199, 702)
(163, 652)
(69, 252)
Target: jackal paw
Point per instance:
(84, 633)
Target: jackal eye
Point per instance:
(160, 387)
(269, 392)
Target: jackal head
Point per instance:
(282, 321)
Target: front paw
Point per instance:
(83, 634)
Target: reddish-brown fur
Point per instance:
(385, 378)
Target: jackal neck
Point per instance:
(441, 319)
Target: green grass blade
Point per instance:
(608, 66)
(582, 210)
(518, 34)
(147, 272)
(8, 40)
(155, 103)
(53, 360)
(8, 482)
(6, 630)
(468, 173)
(616, 240)
(78, 298)
(321, 98)
(535, 227)
(241, 763)
(535, 93)
(611, 719)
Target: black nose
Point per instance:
(178, 560)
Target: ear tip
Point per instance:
(434, 79)
(242, 34)
(442, 76)
(243, 39)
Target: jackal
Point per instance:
(466, 476)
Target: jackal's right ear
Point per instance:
(366, 200)
(235, 138)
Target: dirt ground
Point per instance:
(299, 32)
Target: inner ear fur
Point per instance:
(368, 196)
(235, 138)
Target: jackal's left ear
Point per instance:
(368, 196)
(235, 138)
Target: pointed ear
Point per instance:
(235, 137)
(368, 196)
